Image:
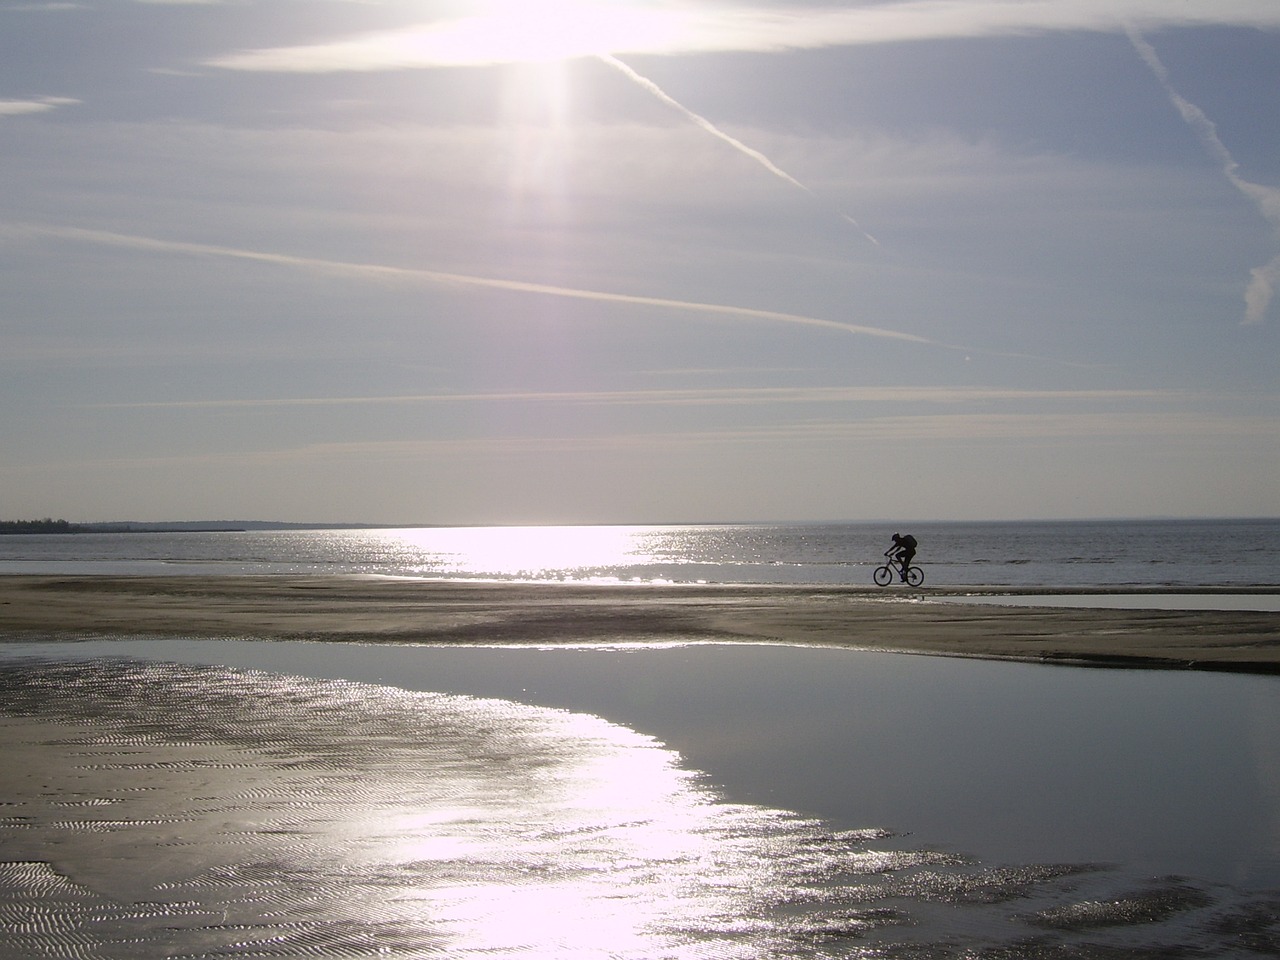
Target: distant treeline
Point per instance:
(48, 525)
(62, 526)
(38, 526)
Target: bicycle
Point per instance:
(886, 574)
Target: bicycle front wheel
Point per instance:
(883, 576)
(915, 576)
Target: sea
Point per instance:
(631, 801)
(1175, 554)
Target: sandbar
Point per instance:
(371, 610)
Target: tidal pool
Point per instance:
(1170, 771)
(837, 797)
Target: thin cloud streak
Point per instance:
(44, 7)
(1263, 280)
(442, 278)
(18, 108)
(703, 123)
(679, 397)
(1127, 428)
(737, 28)
(947, 19)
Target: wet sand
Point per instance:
(386, 610)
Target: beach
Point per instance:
(160, 809)
(935, 621)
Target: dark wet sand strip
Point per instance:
(374, 610)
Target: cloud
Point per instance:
(1057, 428)
(686, 397)
(1262, 287)
(1263, 280)
(16, 108)
(508, 36)
(380, 272)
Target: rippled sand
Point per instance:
(156, 810)
(348, 608)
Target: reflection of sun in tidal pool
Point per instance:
(602, 840)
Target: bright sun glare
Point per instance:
(540, 31)
(520, 551)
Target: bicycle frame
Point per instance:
(896, 569)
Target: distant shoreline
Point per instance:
(389, 610)
(51, 526)
(37, 527)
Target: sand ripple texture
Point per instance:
(154, 810)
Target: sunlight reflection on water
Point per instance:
(370, 816)
(520, 551)
(258, 814)
(1046, 555)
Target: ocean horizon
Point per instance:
(1056, 554)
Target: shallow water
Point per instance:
(1171, 771)
(938, 807)
(1265, 602)
(338, 819)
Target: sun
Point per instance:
(493, 32)
(542, 31)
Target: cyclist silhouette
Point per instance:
(904, 549)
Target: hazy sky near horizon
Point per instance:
(555, 261)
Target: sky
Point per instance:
(552, 261)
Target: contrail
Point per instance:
(442, 278)
(697, 118)
(377, 271)
(1265, 279)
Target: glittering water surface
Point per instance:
(1063, 554)
(292, 817)
(206, 811)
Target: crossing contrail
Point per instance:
(646, 84)
(1263, 280)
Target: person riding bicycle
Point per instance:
(903, 550)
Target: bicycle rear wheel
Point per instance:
(883, 576)
(915, 576)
